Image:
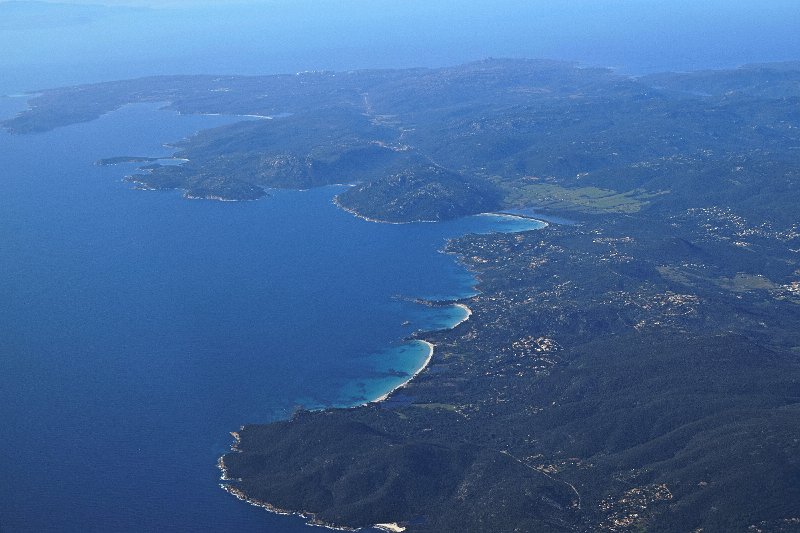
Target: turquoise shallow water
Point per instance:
(140, 328)
(137, 329)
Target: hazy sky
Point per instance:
(153, 3)
(51, 44)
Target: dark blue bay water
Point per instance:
(139, 328)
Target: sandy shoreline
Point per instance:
(467, 310)
(431, 348)
(391, 527)
(310, 518)
(425, 364)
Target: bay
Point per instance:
(140, 328)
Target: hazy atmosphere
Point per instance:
(60, 43)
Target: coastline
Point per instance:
(391, 527)
(533, 337)
(431, 348)
(308, 516)
(541, 223)
(264, 117)
(215, 198)
(466, 310)
(239, 494)
(356, 214)
(383, 397)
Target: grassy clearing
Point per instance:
(583, 199)
(746, 282)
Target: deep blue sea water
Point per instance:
(137, 328)
(140, 328)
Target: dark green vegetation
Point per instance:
(636, 371)
(420, 193)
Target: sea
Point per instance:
(138, 328)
